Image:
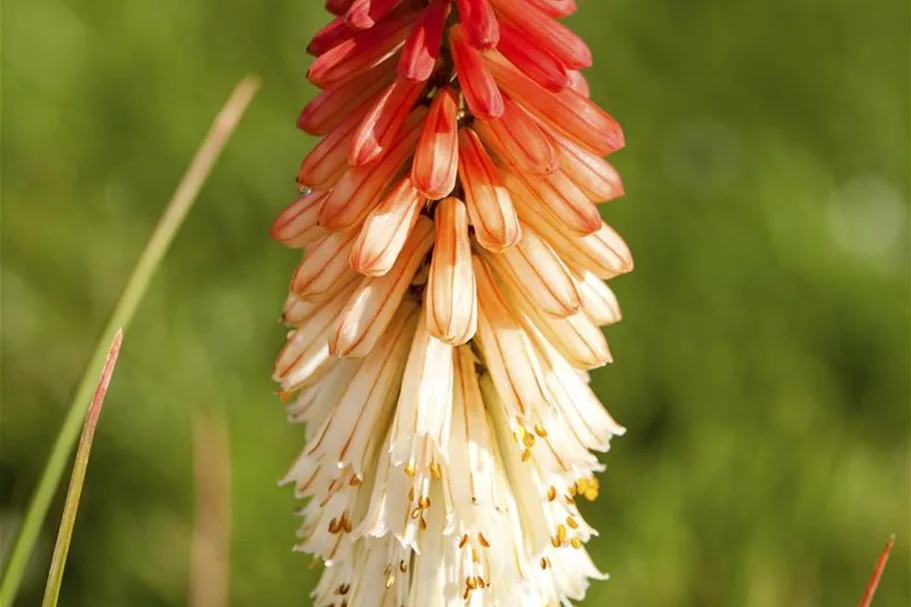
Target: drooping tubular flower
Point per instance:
(448, 304)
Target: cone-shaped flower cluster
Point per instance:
(448, 304)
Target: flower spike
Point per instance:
(449, 303)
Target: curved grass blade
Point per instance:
(77, 479)
(151, 257)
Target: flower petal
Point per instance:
(480, 22)
(367, 401)
(534, 268)
(371, 307)
(436, 160)
(424, 408)
(385, 230)
(545, 32)
(578, 83)
(566, 112)
(575, 337)
(450, 297)
(555, 8)
(364, 50)
(305, 355)
(517, 139)
(422, 48)
(535, 61)
(489, 205)
(557, 197)
(598, 299)
(509, 355)
(384, 121)
(328, 160)
(477, 83)
(364, 14)
(324, 263)
(331, 108)
(297, 226)
(360, 189)
(592, 174)
(330, 36)
(604, 253)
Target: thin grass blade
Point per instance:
(170, 222)
(77, 479)
(867, 599)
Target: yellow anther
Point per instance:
(528, 440)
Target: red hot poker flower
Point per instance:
(447, 307)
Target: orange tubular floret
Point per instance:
(383, 122)
(361, 188)
(566, 112)
(422, 48)
(551, 35)
(436, 160)
(518, 140)
(330, 108)
(480, 22)
(535, 61)
(478, 85)
(364, 14)
(364, 50)
(489, 205)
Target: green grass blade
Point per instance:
(77, 478)
(151, 257)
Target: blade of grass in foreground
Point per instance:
(867, 598)
(77, 479)
(151, 257)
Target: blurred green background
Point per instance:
(762, 365)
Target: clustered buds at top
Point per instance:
(447, 307)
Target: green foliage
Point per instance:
(762, 365)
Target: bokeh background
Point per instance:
(762, 367)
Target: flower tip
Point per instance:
(615, 139)
(619, 189)
(359, 21)
(629, 265)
